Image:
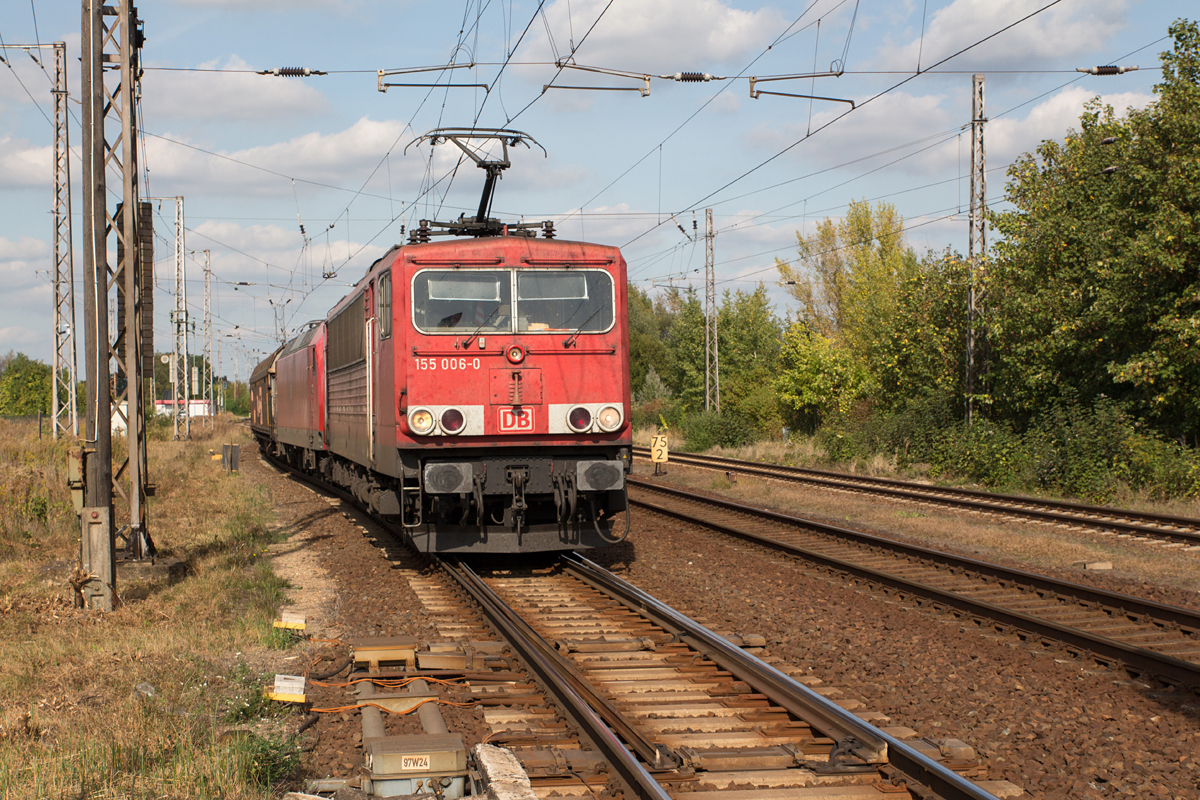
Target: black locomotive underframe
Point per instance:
(517, 503)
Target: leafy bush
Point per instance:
(707, 429)
(25, 386)
(1088, 452)
(646, 415)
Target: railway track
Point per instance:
(674, 708)
(1146, 638)
(601, 691)
(1180, 532)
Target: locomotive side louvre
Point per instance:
(346, 377)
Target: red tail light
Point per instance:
(579, 419)
(452, 420)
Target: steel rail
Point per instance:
(798, 699)
(789, 693)
(1124, 603)
(1052, 511)
(1135, 659)
(534, 650)
(538, 655)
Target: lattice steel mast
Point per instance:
(64, 406)
(179, 317)
(112, 38)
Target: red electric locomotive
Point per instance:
(476, 390)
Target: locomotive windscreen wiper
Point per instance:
(570, 340)
(468, 340)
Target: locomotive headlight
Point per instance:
(453, 420)
(579, 419)
(515, 353)
(609, 418)
(420, 420)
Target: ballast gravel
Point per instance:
(1056, 725)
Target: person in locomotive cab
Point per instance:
(485, 315)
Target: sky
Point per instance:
(295, 185)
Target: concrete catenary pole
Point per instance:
(179, 317)
(977, 354)
(712, 360)
(208, 342)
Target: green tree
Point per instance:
(853, 280)
(850, 273)
(817, 377)
(820, 282)
(648, 324)
(749, 339)
(685, 347)
(25, 386)
(1094, 288)
(922, 357)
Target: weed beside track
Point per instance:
(160, 698)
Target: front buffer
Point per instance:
(516, 501)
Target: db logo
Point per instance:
(516, 420)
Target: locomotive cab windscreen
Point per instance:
(463, 301)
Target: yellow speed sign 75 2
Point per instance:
(658, 448)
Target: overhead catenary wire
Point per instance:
(782, 37)
(954, 134)
(869, 100)
(579, 213)
(858, 107)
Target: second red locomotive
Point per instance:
(476, 390)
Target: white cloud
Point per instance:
(26, 301)
(874, 131)
(728, 103)
(24, 249)
(661, 37)
(602, 224)
(1060, 32)
(340, 159)
(15, 336)
(265, 6)
(225, 96)
(1007, 137)
(22, 164)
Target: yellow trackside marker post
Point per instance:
(658, 450)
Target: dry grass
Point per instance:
(74, 723)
